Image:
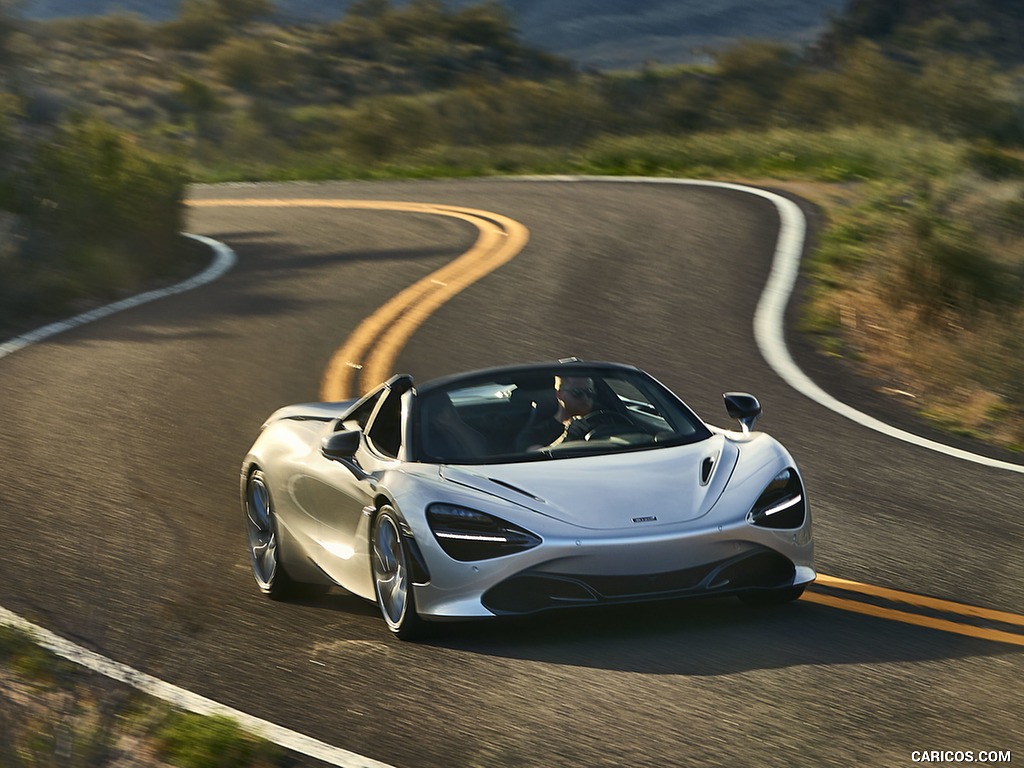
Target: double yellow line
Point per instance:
(374, 345)
(367, 358)
(936, 605)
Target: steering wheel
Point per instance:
(600, 424)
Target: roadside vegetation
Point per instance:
(54, 713)
(905, 123)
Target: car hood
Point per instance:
(656, 487)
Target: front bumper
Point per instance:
(536, 590)
(608, 570)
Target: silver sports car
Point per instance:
(521, 489)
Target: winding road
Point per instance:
(121, 440)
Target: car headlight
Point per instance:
(466, 534)
(781, 504)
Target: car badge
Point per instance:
(648, 519)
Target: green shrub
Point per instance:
(253, 64)
(200, 25)
(993, 162)
(946, 266)
(832, 155)
(519, 111)
(121, 30)
(241, 11)
(751, 77)
(104, 211)
(874, 89)
(13, 643)
(194, 741)
(1010, 215)
(30, 661)
(384, 127)
(9, 26)
(356, 36)
(196, 94)
(961, 96)
(485, 24)
(1006, 368)
(10, 109)
(812, 99)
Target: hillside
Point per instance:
(604, 34)
(959, 27)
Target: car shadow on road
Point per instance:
(709, 638)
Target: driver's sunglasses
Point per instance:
(578, 392)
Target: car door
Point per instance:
(347, 489)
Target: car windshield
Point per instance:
(537, 414)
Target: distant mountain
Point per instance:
(604, 34)
(626, 33)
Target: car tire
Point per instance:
(264, 553)
(392, 576)
(772, 596)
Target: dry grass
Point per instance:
(936, 368)
(71, 723)
(59, 715)
(961, 367)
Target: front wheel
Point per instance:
(392, 578)
(270, 575)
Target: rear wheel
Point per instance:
(270, 575)
(392, 578)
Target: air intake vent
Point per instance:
(707, 468)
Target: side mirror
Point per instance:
(744, 408)
(341, 445)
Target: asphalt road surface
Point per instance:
(121, 528)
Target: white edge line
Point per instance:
(769, 325)
(769, 318)
(223, 260)
(185, 699)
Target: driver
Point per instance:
(575, 400)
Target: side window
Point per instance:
(385, 432)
